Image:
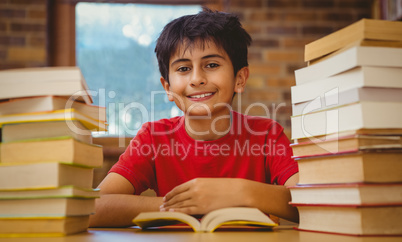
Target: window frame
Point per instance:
(61, 27)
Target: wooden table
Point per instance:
(280, 234)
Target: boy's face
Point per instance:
(202, 81)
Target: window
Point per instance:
(115, 50)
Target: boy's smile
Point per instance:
(198, 97)
(202, 80)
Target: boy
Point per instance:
(212, 157)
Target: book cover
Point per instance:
(359, 194)
(28, 82)
(46, 207)
(42, 227)
(348, 59)
(52, 192)
(50, 103)
(58, 115)
(364, 29)
(362, 115)
(346, 143)
(44, 175)
(360, 76)
(332, 89)
(364, 42)
(327, 100)
(351, 220)
(60, 149)
(375, 166)
(323, 138)
(45, 130)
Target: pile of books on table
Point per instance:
(46, 155)
(346, 128)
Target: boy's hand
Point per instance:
(202, 195)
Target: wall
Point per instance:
(23, 33)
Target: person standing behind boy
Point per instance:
(212, 157)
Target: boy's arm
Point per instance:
(117, 205)
(274, 199)
(202, 195)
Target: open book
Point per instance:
(211, 221)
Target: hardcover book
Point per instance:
(46, 207)
(348, 59)
(58, 115)
(50, 103)
(61, 149)
(43, 227)
(363, 76)
(376, 166)
(351, 220)
(49, 192)
(327, 100)
(362, 115)
(45, 130)
(373, 30)
(348, 194)
(28, 82)
(44, 175)
(347, 143)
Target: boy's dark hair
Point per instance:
(223, 29)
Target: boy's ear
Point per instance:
(241, 79)
(166, 86)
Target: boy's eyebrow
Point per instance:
(204, 57)
(213, 55)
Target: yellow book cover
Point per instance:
(43, 226)
(58, 115)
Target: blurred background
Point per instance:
(113, 43)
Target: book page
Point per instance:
(235, 216)
(158, 219)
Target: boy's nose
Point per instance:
(197, 79)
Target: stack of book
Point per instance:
(46, 155)
(347, 127)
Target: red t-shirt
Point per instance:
(163, 155)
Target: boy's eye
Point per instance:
(183, 69)
(212, 65)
